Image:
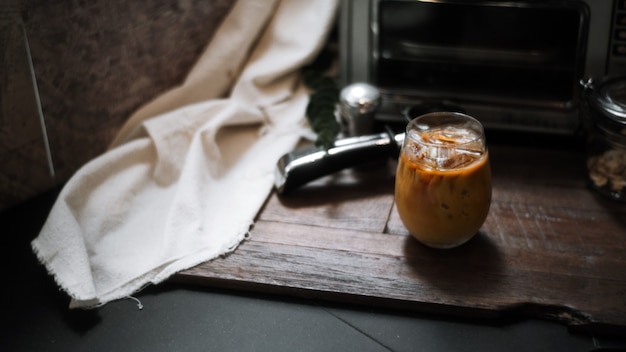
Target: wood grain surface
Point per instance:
(550, 247)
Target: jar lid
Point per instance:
(609, 95)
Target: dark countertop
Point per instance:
(177, 317)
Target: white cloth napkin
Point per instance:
(189, 171)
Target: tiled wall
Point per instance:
(94, 63)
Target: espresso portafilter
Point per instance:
(357, 106)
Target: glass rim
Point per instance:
(414, 122)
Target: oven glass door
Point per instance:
(518, 53)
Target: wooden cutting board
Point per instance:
(550, 247)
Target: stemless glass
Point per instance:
(443, 180)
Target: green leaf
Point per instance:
(325, 97)
(322, 84)
(320, 110)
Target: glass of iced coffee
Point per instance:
(443, 180)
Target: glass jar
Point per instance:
(606, 148)
(443, 179)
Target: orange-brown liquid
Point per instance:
(443, 207)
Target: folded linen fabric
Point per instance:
(188, 172)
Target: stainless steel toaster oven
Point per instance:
(514, 65)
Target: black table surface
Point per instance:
(177, 317)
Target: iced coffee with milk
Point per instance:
(443, 179)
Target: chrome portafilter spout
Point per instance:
(358, 105)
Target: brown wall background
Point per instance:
(95, 62)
